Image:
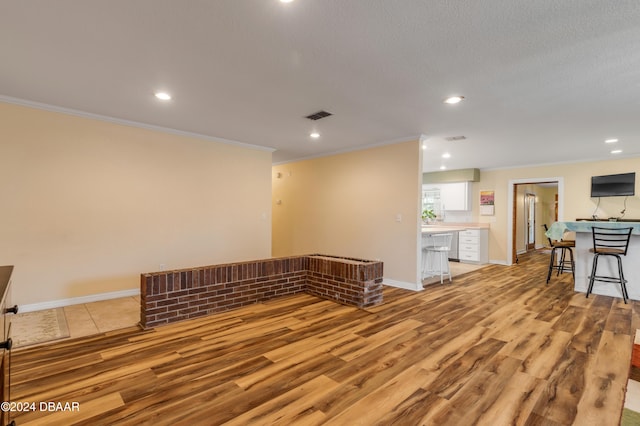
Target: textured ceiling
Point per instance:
(545, 81)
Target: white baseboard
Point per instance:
(78, 300)
(498, 262)
(402, 284)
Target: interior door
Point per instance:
(530, 220)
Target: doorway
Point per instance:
(547, 209)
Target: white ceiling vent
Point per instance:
(455, 138)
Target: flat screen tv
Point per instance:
(620, 185)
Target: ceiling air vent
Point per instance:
(455, 138)
(318, 115)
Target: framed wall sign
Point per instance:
(487, 207)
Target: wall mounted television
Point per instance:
(619, 185)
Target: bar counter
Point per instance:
(607, 265)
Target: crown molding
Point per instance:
(89, 115)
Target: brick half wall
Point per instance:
(172, 296)
(348, 281)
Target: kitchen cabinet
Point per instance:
(446, 196)
(455, 196)
(473, 246)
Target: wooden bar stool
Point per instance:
(614, 243)
(562, 263)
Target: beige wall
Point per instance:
(347, 205)
(88, 205)
(577, 201)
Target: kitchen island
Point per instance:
(606, 264)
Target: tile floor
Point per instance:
(103, 316)
(457, 268)
(99, 317)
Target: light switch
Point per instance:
(399, 217)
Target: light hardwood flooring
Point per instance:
(496, 347)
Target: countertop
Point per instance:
(557, 229)
(452, 227)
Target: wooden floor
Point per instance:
(496, 347)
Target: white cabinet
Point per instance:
(455, 196)
(473, 246)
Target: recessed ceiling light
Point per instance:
(616, 151)
(453, 99)
(163, 96)
(446, 155)
(286, 1)
(443, 167)
(611, 141)
(424, 146)
(315, 135)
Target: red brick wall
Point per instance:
(172, 296)
(348, 281)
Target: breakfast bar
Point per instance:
(583, 257)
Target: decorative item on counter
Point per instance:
(428, 215)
